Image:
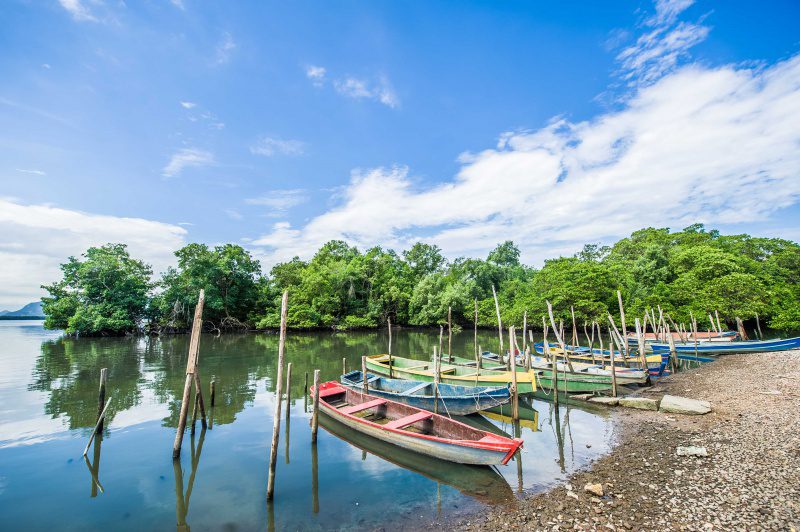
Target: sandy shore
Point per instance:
(750, 479)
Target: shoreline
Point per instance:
(750, 478)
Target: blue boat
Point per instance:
(721, 348)
(453, 400)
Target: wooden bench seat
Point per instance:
(363, 406)
(408, 420)
(420, 366)
(416, 388)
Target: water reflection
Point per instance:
(182, 499)
(94, 466)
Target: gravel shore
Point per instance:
(749, 480)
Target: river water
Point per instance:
(48, 407)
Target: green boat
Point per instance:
(421, 370)
(571, 382)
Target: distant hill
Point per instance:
(28, 311)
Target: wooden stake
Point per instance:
(673, 353)
(499, 322)
(101, 398)
(475, 336)
(613, 364)
(315, 409)
(719, 327)
(441, 338)
(194, 412)
(559, 337)
(288, 393)
(758, 326)
(436, 371)
(191, 366)
(344, 366)
(512, 341)
(624, 326)
(276, 418)
(742, 331)
(640, 338)
(554, 366)
(575, 341)
(102, 415)
(524, 330)
(713, 327)
(364, 380)
(449, 334)
(389, 328)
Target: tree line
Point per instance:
(108, 292)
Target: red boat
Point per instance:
(414, 429)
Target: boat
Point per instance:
(716, 348)
(413, 428)
(452, 400)
(572, 382)
(421, 370)
(484, 484)
(581, 370)
(655, 361)
(706, 336)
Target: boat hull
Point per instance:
(714, 348)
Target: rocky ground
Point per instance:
(749, 480)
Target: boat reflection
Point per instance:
(484, 484)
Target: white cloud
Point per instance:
(35, 239)
(379, 90)
(233, 214)
(178, 4)
(78, 11)
(224, 49)
(185, 158)
(279, 201)
(270, 146)
(717, 146)
(188, 105)
(46, 65)
(316, 74)
(32, 171)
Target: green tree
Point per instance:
(104, 293)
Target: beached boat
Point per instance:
(421, 370)
(412, 428)
(655, 361)
(716, 348)
(581, 370)
(452, 400)
(702, 336)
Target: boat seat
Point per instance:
(420, 366)
(416, 388)
(408, 420)
(363, 406)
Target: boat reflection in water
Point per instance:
(483, 483)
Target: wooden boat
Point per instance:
(714, 348)
(707, 336)
(655, 362)
(452, 400)
(421, 370)
(572, 382)
(581, 370)
(414, 429)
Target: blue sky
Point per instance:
(281, 125)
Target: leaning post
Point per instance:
(276, 418)
(101, 398)
(191, 367)
(315, 409)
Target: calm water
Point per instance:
(48, 406)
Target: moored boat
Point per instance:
(452, 400)
(421, 370)
(414, 429)
(717, 348)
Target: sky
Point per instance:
(282, 125)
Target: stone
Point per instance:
(582, 396)
(692, 450)
(608, 401)
(682, 405)
(640, 403)
(594, 489)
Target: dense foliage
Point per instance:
(692, 271)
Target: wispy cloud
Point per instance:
(662, 158)
(279, 201)
(660, 50)
(178, 4)
(77, 10)
(33, 172)
(224, 49)
(188, 105)
(316, 74)
(269, 146)
(379, 90)
(186, 158)
(233, 214)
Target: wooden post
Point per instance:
(315, 408)
(512, 341)
(288, 394)
(624, 326)
(475, 336)
(101, 417)
(480, 358)
(194, 412)
(614, 365)
(101, 398)
(713, 327)
(344, 366)
(554, 366)
(674, 326)
(742, 331)
(758, 326)
(524, 330)
(449, 334)
(191, 366)
(559, 337)
(364, 381)
(305, 384)
(435, 381)
(389, 328)
(499, 322)
(694, 334)
(673, 353)
(213, 393)
(276, 419)
(575, 341)
(642, 349)
(719, 327)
